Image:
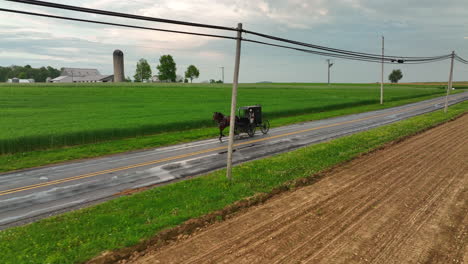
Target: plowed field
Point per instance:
(407, 203)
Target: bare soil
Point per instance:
(404, 204)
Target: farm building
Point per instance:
(78, 75)
(16, 80)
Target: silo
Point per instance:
(118, 66)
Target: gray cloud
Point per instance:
(412, 28)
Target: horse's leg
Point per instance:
(220, 135)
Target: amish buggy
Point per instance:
(250, 117)
(248, 120)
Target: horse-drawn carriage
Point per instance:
(250, 117)
(247, 121)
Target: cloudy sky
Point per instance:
(411, 28)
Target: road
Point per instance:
(28, 195)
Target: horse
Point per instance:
(223, 122)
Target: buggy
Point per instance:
(250, 117)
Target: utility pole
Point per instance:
(222, 70)
(329, 66)
(449, 86)
(382, 80)
(234, 102)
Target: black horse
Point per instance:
(223, 122)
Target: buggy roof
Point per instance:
(251, 106)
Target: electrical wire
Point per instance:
(346, 52)
(369, 55)
(325, 51)
(341, 56)
(117, 14)
(138, 17)
(114, 24)
(460, 59)
(350, 57)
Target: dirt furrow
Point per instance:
(390, 238)
(376, 200)
(327, 232)
(423, 186)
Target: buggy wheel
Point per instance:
(251, 130)
(265, 126)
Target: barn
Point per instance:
(79, 75)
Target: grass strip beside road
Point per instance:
(16, 161)
(80, 235)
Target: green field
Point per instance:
(34, 117)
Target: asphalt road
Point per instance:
(28, 195)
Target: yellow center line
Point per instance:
(88, 175)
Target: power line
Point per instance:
(460, 59)
(337, 53)
(351, 57)
(341, 56)
(308, 51)
(345, 52)
(174, 31)
(117, 14)
(114, 24)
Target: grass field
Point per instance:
(77, 236)
(34, 117)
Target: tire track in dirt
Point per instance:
(414, 215)
(397, 205)
(347, 222)
(278, 224)
(417, 220)
(414, 221)
(244, 243)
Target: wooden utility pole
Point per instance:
(234, 102)
(222, 73)
(329, 66)
(382, 80)
(449, 86)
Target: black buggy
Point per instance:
(250, 117)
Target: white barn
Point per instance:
(17, 80)
(79, 75)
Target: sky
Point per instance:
(411, 28)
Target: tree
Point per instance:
(167, 68)
(52, 72)
(395, 76)
(28, 72)
(143, 71)
(22, 75)
(192, 73)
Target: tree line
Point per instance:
(28, 72)
(166, 71)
